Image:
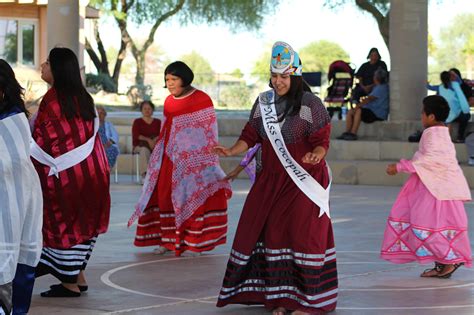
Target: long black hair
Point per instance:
(445, 79)
(72, 95)
(12, 91)
(294, 96)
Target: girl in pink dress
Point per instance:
(428, 222)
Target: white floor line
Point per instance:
(105, 277)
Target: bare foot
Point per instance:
(300, 313)
(279, 311)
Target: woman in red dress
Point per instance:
(283, 256)
(145, 131)
(74, 173)
(184, 199)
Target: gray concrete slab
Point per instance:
(124, 279)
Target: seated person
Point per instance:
(365, 75)
(108, 136)
(145, 132)
(372, 108)
(459, 111)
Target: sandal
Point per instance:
(60, 291)
(448, 274)
(82, 288)
(437, 269)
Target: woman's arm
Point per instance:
(239, 147)
(432, 87)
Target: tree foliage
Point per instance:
(152, 14)
(456, 43)
(317, 56)
(203, 73)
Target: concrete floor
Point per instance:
(124, 279)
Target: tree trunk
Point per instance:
(140, 59)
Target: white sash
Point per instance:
(67, 159)
(305, 182)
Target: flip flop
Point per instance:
(60, 291)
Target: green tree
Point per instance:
(379, 9)
(236, 96)
(203, 73)
(236, 14)
(317, 56)
(456, 43)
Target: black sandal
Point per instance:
(82, 288)
(59, 290)
(438, 268)
(449, 274)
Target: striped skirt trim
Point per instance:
(202, 233)
(281, 277)
(65, 264)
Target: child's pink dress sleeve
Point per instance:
(405, 166)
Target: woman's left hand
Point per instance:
(313, 158)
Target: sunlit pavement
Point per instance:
(124, 279)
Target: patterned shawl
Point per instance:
(197, 174)
(436, 164)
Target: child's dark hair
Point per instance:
(436, 105)
(143, 103)
(445, 79)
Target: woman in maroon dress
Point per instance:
(72, 166)
(183, 206)
(283, 254)
(145, 131)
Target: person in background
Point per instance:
(21, 202)
(459, 111)
(365, 75)
(466, 88)
(374, 107)
(75, 178)
(428, 222)
(108, 136)
(145, 131)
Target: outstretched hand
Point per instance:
(392, 169)
(313, 158)
(234, 173)
(222, 151)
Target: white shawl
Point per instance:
(21, 201)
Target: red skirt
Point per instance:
(205, 230)
(283, 253)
